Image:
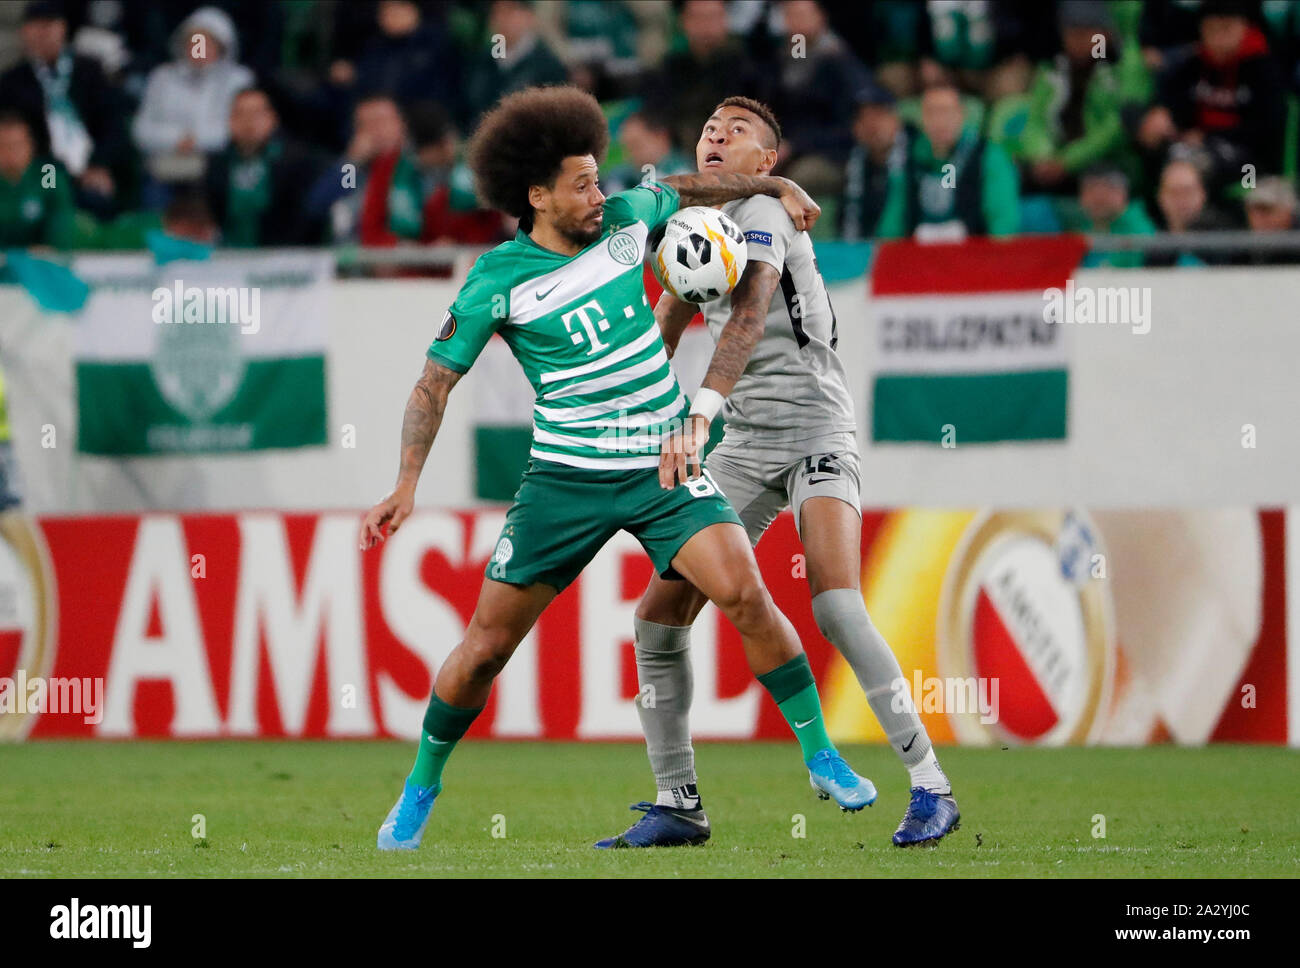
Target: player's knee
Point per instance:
(828, 624)
(744, 601)
(824, 578)
(678, 610)
(653, 611)
(837, 610)
(484, 666)
(489, 648)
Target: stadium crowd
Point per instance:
(246, 123)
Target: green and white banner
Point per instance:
(964, 350)
(215, 356)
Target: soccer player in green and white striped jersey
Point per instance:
(567, 297)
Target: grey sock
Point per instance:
(663, 669)
(842, 617)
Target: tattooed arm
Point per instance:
(749, 302)
(716, 187)
(424, 410)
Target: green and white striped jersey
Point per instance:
(585, 334)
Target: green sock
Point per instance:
(444, 725)
(795, 691)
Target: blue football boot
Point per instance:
(405, 823)
(929, 817)
(831, 777)
(661, 827)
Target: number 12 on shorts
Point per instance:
(826, 464)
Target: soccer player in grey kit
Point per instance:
(790, 440)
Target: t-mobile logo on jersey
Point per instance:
(594, 324)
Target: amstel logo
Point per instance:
(27, 633)
(1025, 601)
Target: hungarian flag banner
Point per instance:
(202, 356)
(964, 352)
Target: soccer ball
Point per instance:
(699, 254)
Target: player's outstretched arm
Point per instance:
(424, 410)
(673, 316)
(744, 328)
(717, 187)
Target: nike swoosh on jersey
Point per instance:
(542, 295)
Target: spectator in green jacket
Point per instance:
(881, 139)
(953, 182)
(648, 151)
(522, 59)
(36, 206)
(255, 184)
(1076, 102)
(1104, 208)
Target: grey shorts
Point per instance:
(762, 480)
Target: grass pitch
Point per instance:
(311, 809)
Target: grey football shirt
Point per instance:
(794, 387)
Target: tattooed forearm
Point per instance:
(749, 304)
(716, 187)
(423, 417)
(737, 342)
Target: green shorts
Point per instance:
(563, 515)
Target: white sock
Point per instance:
(929, 776)
(683, 797)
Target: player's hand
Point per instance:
(679, 454)
(802, 209)
(391, 511)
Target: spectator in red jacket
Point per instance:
(1224, 101)
(372, 194)
(452, 214)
